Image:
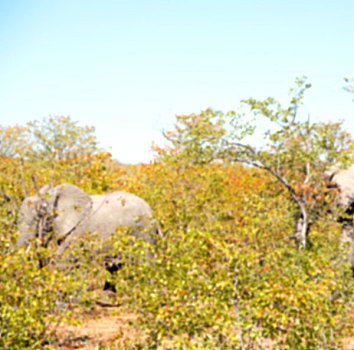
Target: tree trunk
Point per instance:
(301, 228)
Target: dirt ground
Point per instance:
(100, 327)
(105, 325)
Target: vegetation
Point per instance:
(225, 275)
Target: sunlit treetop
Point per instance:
(52, 138)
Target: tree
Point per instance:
(14, 141)
(61, 138)
(52, 138)
(50, 149)
(223, 276)
(296, 153)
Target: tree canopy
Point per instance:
(297, 152)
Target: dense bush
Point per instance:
(225, 275)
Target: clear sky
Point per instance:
(127, 67)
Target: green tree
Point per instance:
(61, 138)
(297, 153)
(14, 141)
(50, 150)
(52, 138)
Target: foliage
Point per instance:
(224, 241)
(14, 141)
(33, 299)
(224, 275)
(297, 153)
(61, 138)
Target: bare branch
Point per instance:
(35, 183)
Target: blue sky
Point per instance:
(127, 67)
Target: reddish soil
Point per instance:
(105, 325)
(348, 344)
(100, 328)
